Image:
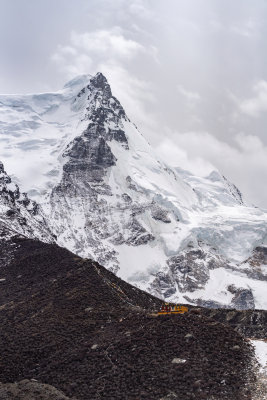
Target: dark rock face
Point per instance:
(137, 233)
(7, 247)
(254, 265)
(20, 215)
(10, 194)
(90, 155)
(70, 323)
(206, 303)
(234, 191)
(188, 271)
(243, 298)
(159, 214)
(191, 274)
(84, 183)
(259, 256)
(250, 323)
(164, 283)
(91, 152)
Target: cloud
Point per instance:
(247, 29)
(179, 156)
(112, 53)
(244, 163)
(257, 104)
(134, 94)
(110, 42)
(64, 60)
(87, 49)
(109, 46)
(192, 98)
(145, 48)
(137, 7)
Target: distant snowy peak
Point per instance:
(78, 82)
(19, 214)
(96, 98)
(215, 189)
(229, 187)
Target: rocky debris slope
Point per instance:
(70, 323)
(108, 196)
(260, 392)
(250, 323)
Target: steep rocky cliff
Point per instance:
(18, 214)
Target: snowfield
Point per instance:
(261, 353)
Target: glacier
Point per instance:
(104, 193)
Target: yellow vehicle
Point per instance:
(169, 309)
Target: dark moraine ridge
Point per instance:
(250, 323)
(69, 323)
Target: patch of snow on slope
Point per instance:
(220, 279)
(261, 352)
(145, 261)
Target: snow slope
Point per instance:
(261, 353)
(34, 131)
(106, 195)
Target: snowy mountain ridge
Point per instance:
(106, 195)
(18, 214)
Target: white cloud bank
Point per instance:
(173, 69)
(86, 50)
(192, 98)
(257, 104)
(243, 159)
(112, 53)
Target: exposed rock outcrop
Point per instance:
(30, 390)
(18, 214)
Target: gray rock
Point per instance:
(178, 361)
(243, 299)
(30, 390)
(22, 216)
(159, 214)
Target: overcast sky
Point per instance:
(192, 74)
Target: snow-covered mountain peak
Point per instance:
(215, 176)
(100, 81)
(108, 196)
(78, 82)
(96, 102)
